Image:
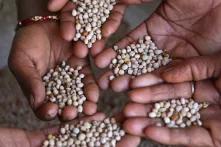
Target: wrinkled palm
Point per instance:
(36, 49)
(182, 28)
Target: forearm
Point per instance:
(13, 138)
(29, 8)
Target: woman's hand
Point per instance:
(68, 23)
(206, 71)
(182, 28)
(17, 137)
(38, 48)
(139, 123)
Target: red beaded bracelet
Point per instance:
(35, 19)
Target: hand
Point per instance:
(68, 26)
(139, 124)
(183, 28)
(38, 48)
(194, 69)
(16, 137)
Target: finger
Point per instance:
(104, 81)
(136, 126)
(90, 108)
(68, 113)
(75, 61)
(29, 78)
(145, 80)
(92, 92)
(121, 83)
(47, 111)
(67, 22)
(129, 141)
(204, 90)
(80, 50)
(194, 136)
(113, 21)
(103, 59)
(161, 92)
(98, 116)
(91, 88)
(98, 46)
(137, 110)
(56, 5)
(196, 68)
(118, 84)
(67, 26)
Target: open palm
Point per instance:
(67, 24)
(38, 48)
(139, 124)
(182, 28)
(18, 137)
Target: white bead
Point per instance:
(152, 115)
(74, 12)
(167, 120)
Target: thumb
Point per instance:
(56, 5)
(194, 69)
(29, 78)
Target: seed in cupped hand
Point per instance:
(137, 59)
(64, 87)
(90, 15)
(178, 113)
(104, 133)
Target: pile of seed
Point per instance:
(90, 15)
(104, 133)
(178, 113)
(137, 59)
(64, 87)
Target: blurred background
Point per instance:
(14, 109)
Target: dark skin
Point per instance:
(68, 23)
(207, 43)
(10, 137)
(180, 77)
(183, 28)
(38, 48)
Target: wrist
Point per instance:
(30, 8)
